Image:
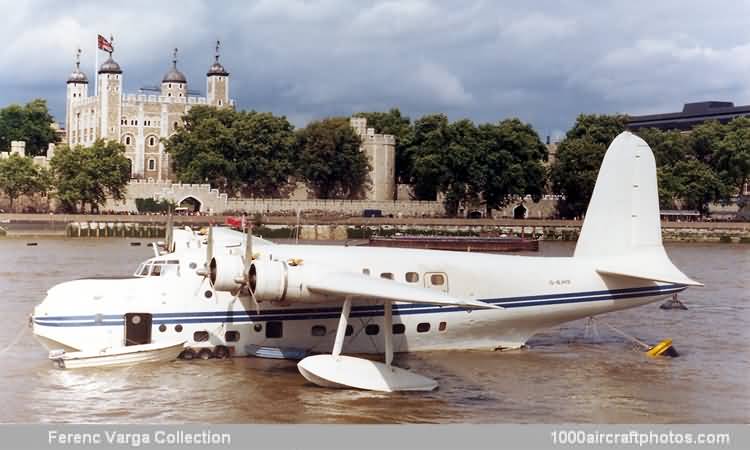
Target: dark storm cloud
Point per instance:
(544, 62)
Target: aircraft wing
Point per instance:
(356, 285)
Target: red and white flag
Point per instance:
(104, 44)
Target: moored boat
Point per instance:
(118, 356)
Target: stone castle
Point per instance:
(140, 120)
(137, 120)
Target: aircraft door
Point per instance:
(436, 280)
(137, 328)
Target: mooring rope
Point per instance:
(623, 334)
(15, 339)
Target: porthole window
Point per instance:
(200, 336)
(386, 275)
(135, 320)
(258, 327)
(232, 336)
(437, 279)
(372, 329)
(398, 328)
(365, 271)
(318, 330)
(442, 326)
(162, 328)
(192, 265)
(412, 277)
(349, 330)
(423, 327)
(274, 330)
(178, 328)
(208, 294)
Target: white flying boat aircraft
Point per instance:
(225, 297)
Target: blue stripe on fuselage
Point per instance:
(357, 311)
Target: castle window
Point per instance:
(169, 94)
(151, 164)
(170, 85)
(219, 102)
(151, 141)
(127, 140)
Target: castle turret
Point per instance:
(174, 83)
(217, 82)
(78, 87)
(110, 98)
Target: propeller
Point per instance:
(205, 270)
(169, 235)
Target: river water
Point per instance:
(564, 376)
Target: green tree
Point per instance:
(579, 156)
(731, 158)
(512, 157)
(697, 185)
(31, 123)
(427, 152)
(19, 176)
(330, 160)
(392, 122)
(247, 152)
(88, 175)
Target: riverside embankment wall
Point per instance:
(352, 227)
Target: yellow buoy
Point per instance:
(662, 348)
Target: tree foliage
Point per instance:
(88, 175)
(20, 176)
(237, 151)
(330, 160)
(579, 156)
(469, 164)
(708, 164)
(30, 123)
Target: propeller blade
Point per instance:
(169, 238)
(249, 247)
(210, 245)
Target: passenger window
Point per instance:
(412, 277)
(372, 329)
(436, 280)
(318, 330)
(442, 326)
(200, 336)
(386, 275)
(398, 328)
(349, 330)
(274, 330)
(423, 327)
(365, 271)
(232, 336)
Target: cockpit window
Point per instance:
(158, 268)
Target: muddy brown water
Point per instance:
(564, 375)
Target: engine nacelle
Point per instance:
(277, 281)
(226, 272)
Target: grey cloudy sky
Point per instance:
(542, 61)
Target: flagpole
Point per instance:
(96, 67)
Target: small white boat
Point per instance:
(118, 356)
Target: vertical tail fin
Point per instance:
(622, 225)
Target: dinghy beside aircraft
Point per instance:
(226, 292)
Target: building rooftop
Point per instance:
(692, 114)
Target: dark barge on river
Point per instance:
(491, 244)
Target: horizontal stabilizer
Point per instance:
(651, 267)
(356, 285)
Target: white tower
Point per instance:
(217, 82)
(78, 87)
(110, 98)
